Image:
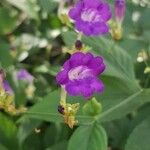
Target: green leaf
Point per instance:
(144, 19)
(118, 99)
(5, 57)
(140, 137)
(60, 145)
(27, 6)
(8, 132)
(88, 138)
(26, 128)
(47, 5)
(116, 104)
(118, 131)
(118, 62)
(2, 147)
(8, 20)
(47, 109)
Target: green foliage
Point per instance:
(8, 132)
(33, 37)
(5, 57)
(8, 20)
(91, 137)
(135, 140)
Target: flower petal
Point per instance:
(91, 3)
(83, 27)
(76, 59)
(105, 12)
(73, 88)
(75, 11)
(100, 28)
(97, 85)
(62, 77)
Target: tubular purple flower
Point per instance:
(24, 75)
(79, 75)
(120, 8)
(91, 17)
(7, 87)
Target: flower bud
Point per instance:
(120, 8)
(92, 107)
(78, 45)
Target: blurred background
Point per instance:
(34, 41)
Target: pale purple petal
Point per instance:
(23, 74)
(120, 8)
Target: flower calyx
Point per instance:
(68, 112)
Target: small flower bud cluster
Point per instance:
(7, 97)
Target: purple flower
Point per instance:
(7, 87)
(24, 75)
(91, 16)
(120, 8)
(80, 74)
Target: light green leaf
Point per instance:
(89, 138)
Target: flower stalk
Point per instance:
(68, 110)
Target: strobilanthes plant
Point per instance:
(79, 75)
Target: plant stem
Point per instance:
(63, 96)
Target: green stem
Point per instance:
(79, 36)
(63, 96)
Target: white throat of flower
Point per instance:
(90, 15)
(79, 72)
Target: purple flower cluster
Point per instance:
(120, 8)
(79, 75)
(91, 16)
